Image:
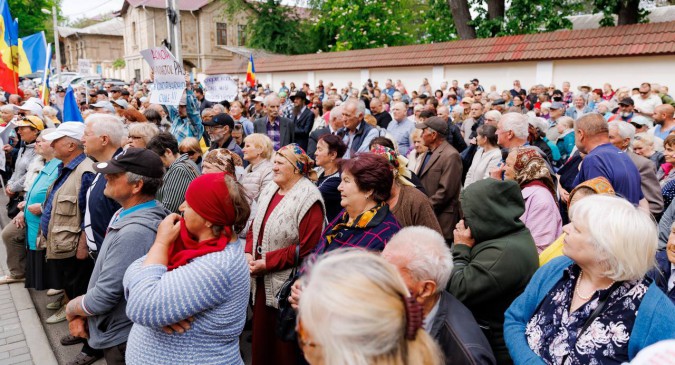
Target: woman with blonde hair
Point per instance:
(583, 308)
(140, 134)
(190, 146)
(258, 150)
(383, 324)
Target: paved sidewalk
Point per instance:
(22, 337)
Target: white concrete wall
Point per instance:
(619, 71)
(411, 77)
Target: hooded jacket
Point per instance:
(127, 239)
(490, 275)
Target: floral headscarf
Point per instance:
(530, 168)
(223, 160)
(299, 159)
(600, 185)
(401, 172)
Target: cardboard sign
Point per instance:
(84, 66)
(169, 76)
(220, 87)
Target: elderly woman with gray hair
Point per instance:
(583, 308)
(425, 263)
(621, 135)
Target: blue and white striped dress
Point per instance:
(213, 288)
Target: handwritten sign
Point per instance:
(84, 66)
(169, 76)
(220, 87)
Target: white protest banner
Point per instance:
(169, 76)
(84, 66)
(220, 87)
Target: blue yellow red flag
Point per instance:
(71, 112)
(9, 56)
(250, 72)
(45, 76)
(32, 53)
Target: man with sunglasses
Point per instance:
(625, 111)
(646, 101)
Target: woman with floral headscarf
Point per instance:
(410, 206)
(542, 216)
(290, 215)
(598, 185)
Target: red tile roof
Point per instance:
(627, 40)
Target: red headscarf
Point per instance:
(209, 197)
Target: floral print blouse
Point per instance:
(553, 331)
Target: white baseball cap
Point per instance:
(67, 129)
(33, 107)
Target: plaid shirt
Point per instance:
(64, 173)
(286, 110)
(191, 126)
(274, 132)
(568, 97)
(373, 237)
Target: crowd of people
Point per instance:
(378, 225)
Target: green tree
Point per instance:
(119, 64)
(32, 19)
(438, 25)
(626, 11)
(357, 24)
(272, 26)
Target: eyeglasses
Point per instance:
(189, 153)
(644, 92)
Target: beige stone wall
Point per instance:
(99, 49)
(198, 36)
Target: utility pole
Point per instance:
(56, 42)
(173, 29)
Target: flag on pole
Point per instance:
(9, 59)
(71, 112)
(250, 72)
(32, 53)
(45, 76)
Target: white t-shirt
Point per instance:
(646, 106)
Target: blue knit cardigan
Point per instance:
(655, 320)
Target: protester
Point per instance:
(180, 170)
(409, 206)
(258, 151)
(583, 308)
(424, 262)
(598, 185)
(186, 120)
(542, 217)
(132, 179)
(191, 255)
(61, 222)
(644, 145)
(494, 256)
(290, 215)
(487, 157)
(621, 135)
(14, 235)
(329, 150)
(419, 149)
(279, 129)
(238, 114)
(386, 327)
(440, 172)
(44, 170)
(366, 221)
(604, 159)
(356, 133)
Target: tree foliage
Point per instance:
(32, 19)
(626, 11)
(272, 26)
(119, 64)
(358, 24)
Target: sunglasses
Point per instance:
(189, 153)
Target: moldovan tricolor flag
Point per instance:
(250, 72)
(32, 54)
(9, 41)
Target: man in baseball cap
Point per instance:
(220, 132)
(73, 130)
(133, 178)
(441, 171)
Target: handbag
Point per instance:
(287, 316)
(12, 206)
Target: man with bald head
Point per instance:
(663, 118)
(604, 159)
(377, 110)
(401, 127)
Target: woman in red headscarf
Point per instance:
(188, 296)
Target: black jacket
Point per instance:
(286, 129)
(303, 125)
(314, 139)
(458, 334)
